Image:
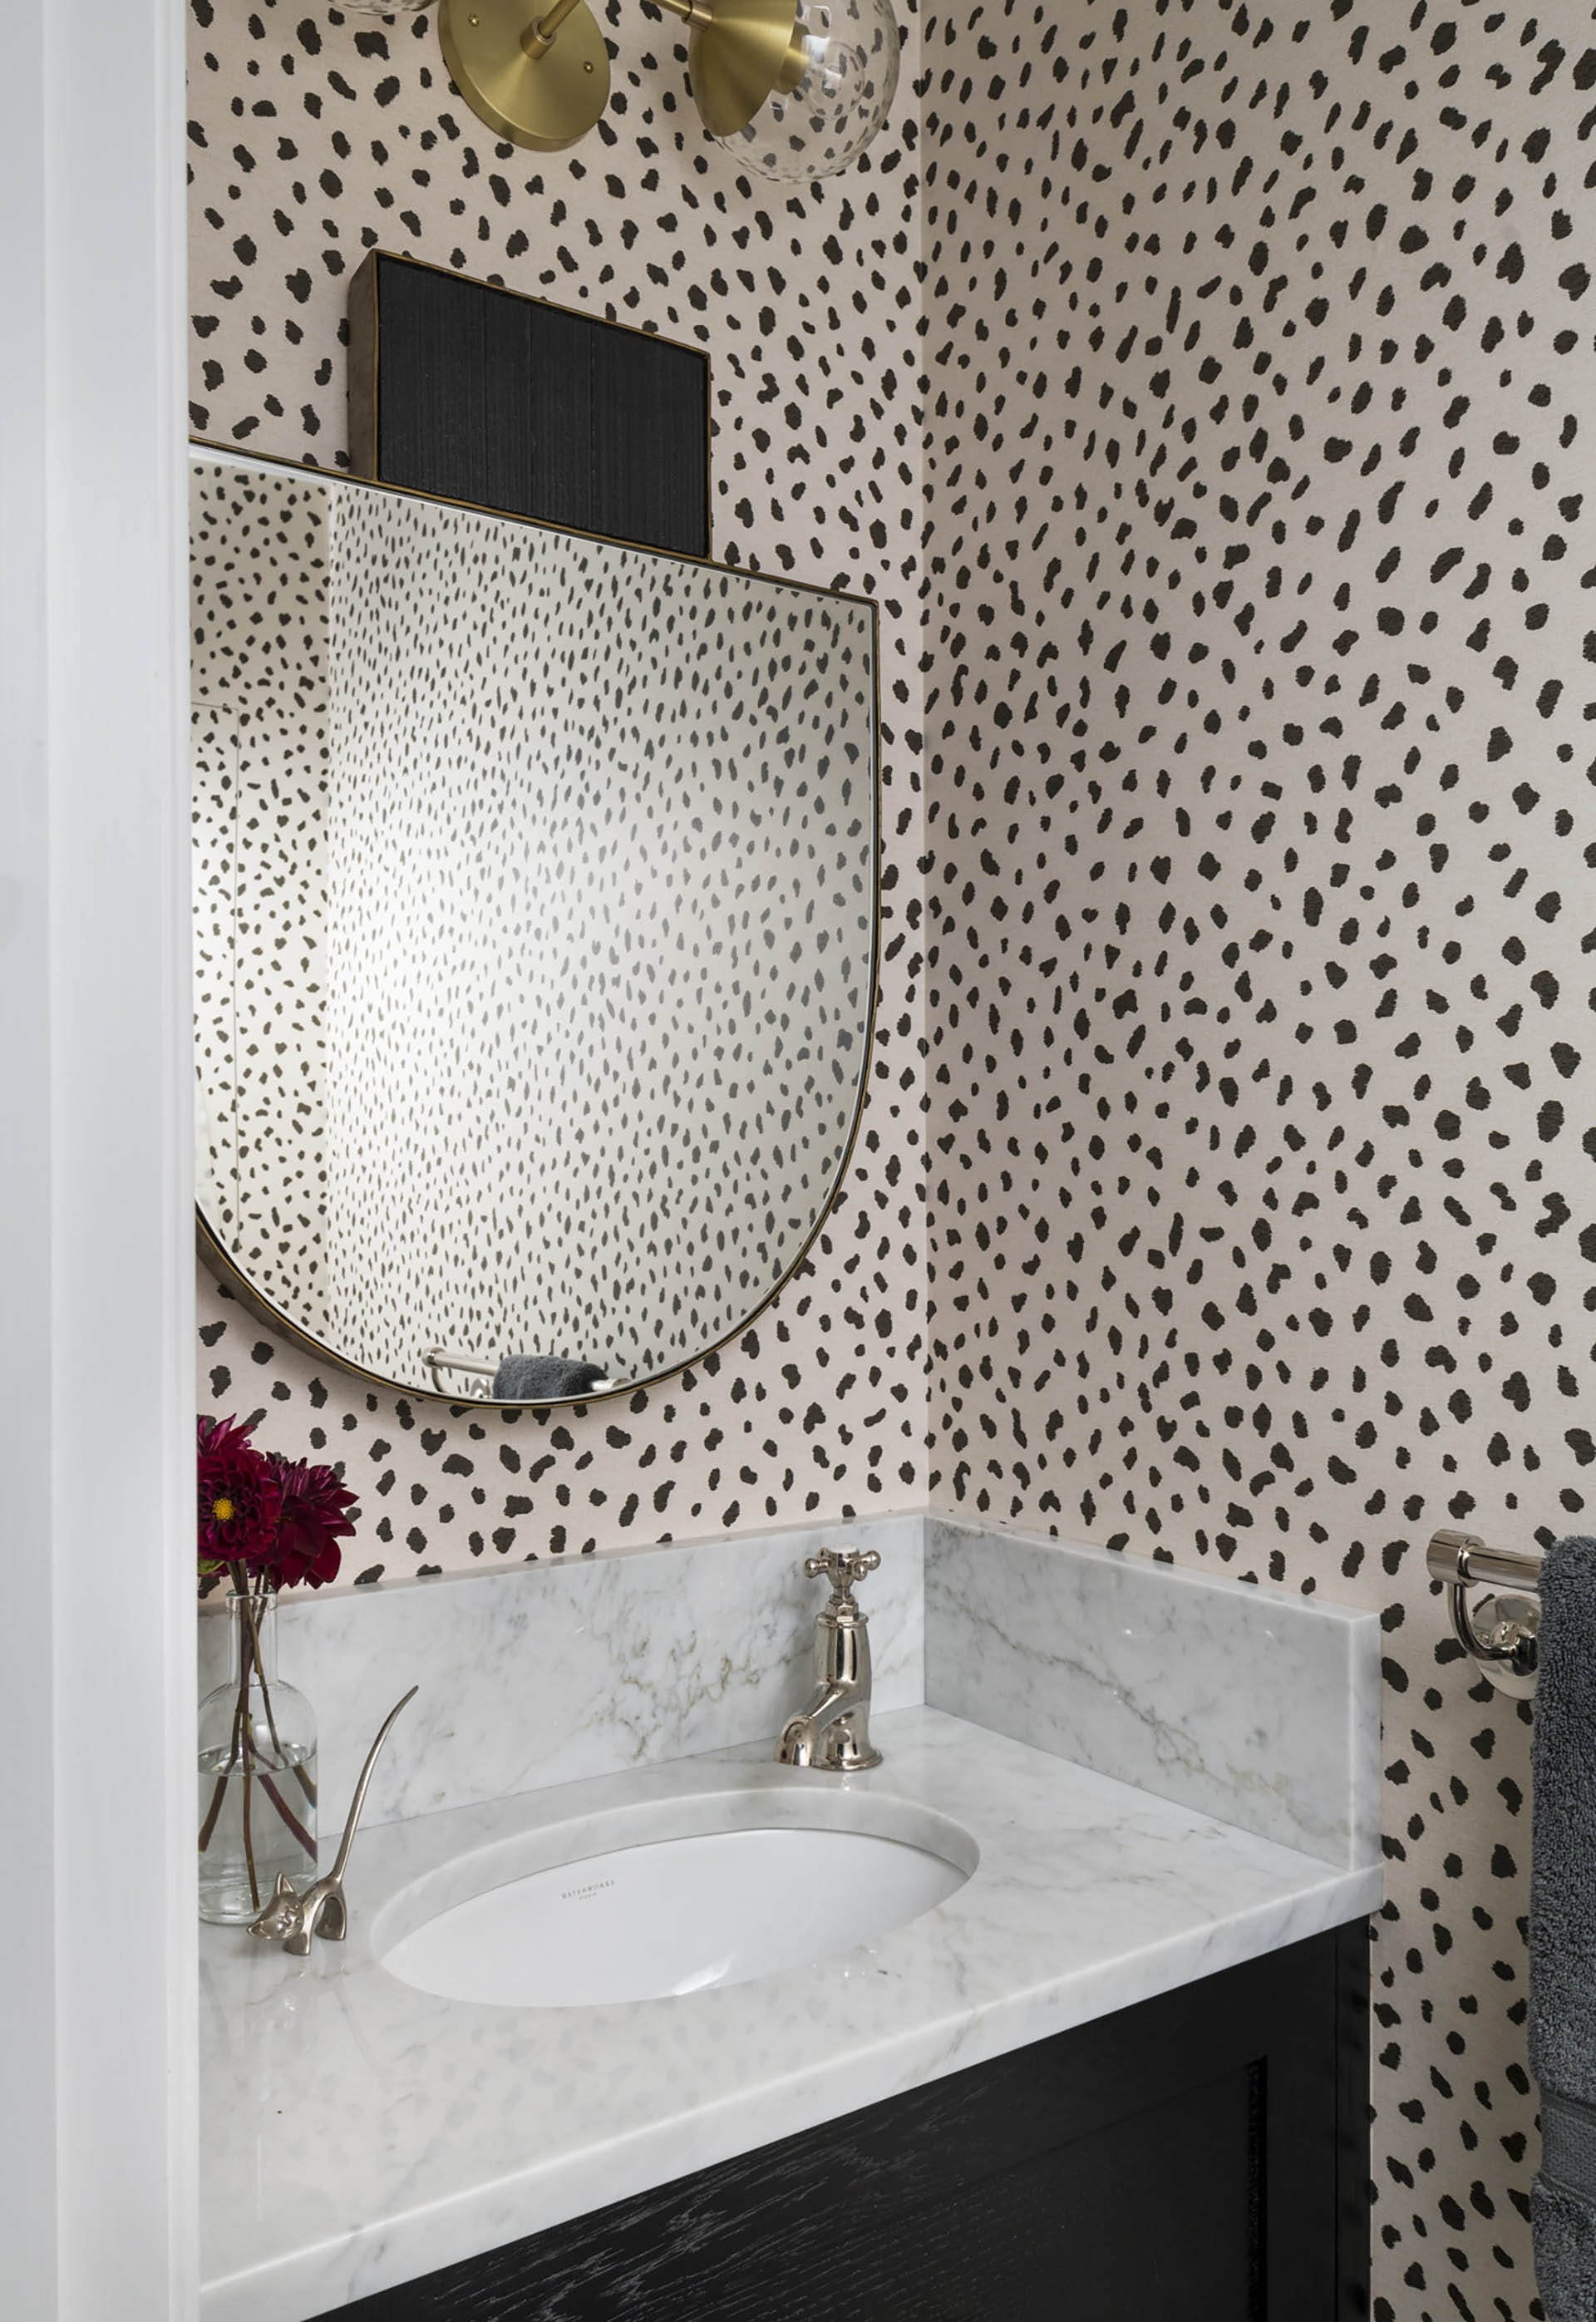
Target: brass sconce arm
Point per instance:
(692, 11)
(538, 38)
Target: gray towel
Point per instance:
(542, 1378)
(1562, 1933)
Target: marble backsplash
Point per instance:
(1243, 1702)
(534, 1674)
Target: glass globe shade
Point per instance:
(841, 102)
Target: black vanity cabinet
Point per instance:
(1201, 2157)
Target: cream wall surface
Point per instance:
(1260, 828)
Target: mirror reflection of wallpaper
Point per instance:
(543, 1025)
(259, 693)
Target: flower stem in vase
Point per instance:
(213, 1812)
(305, 1783)
(304, 1838)
(292, 1820)
(245, 1663)
(219, 1795)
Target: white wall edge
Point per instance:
(98, 2136)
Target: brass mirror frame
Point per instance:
(211, 1251)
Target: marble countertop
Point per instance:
(356, 2134)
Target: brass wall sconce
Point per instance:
(795, 89)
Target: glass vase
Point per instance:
(257, 1773)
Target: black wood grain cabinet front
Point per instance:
(1201, 2157)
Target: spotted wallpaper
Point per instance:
(555, 1017)
(314, 138)
(1258, 709)
(1257, 356)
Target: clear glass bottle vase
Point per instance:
(257, 1773)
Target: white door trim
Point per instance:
(98, 2143)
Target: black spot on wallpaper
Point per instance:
(1257, 679)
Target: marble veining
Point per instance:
(1242, 1701)
(358, 2133)
(539, 1674)
(1247, 1703)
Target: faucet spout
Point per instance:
(831, 1731)
(801, 1733)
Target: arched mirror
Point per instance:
(535, 923)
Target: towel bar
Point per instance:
(1498, 1634)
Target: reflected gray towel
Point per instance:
(1562, 1933)
(534, 1378)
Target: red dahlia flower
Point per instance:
(240, 1495)
(317, 1510)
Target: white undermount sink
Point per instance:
(664, 1916)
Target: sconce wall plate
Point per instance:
(544, 99)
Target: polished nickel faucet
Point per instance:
(832, 1732)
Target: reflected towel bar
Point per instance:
(439, 1359)
(1500, 1633)
(436, 1359)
